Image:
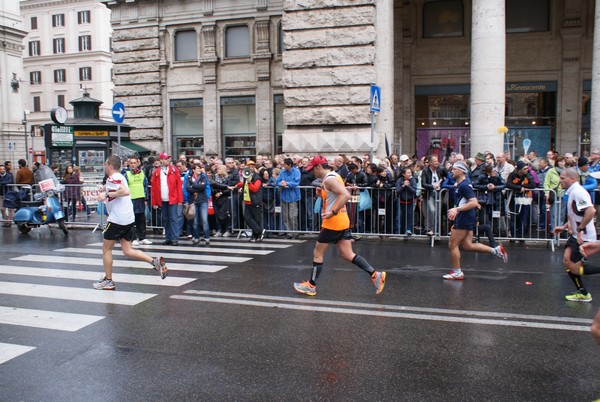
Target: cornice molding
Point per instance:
(57, 3)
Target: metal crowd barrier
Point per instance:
(372, 212)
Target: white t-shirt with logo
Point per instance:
(120, 209)
(579, 200)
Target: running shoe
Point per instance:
(579, 297)
(104, 284)
(226, 234)
(218, 234)
(501, 253)
(160, 267)
(306, 288)
(262, 235)
(378, 279)
(455, 275)
(135, 243)
(145, 242)
(207, 242)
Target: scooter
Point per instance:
(46, 206)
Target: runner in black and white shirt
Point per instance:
(464, 216)
(580, 223)
(120, 227)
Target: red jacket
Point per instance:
(174, 183)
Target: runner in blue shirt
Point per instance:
(464, 216)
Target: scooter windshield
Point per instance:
(45, 177)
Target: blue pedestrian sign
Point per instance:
(375, 98)
(118, 112)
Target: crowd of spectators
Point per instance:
(398, 194)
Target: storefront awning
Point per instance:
(129, 149)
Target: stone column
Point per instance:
(384, 62)
(264, 100)
(488, 75)
(595, 112)
(211, 108)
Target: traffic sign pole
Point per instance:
(375, 101)
(118, 112)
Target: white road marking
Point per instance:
(9, 351)
(46, 319)
(196, 249)
(194, 257)
(461, 316)
(117, 263)
(70, 293)
(93, 276)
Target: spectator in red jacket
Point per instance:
(167, 193)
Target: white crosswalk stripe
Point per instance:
(85, 264)
(10, 351)
(93, 276)
(193, 257)
(260, 250)
(46, 319)
(71, 293)
(117, 263)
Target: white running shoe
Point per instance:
(455, 275)
(145, 241)
(135, 243)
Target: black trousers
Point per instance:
(140, 226)
(253, 218)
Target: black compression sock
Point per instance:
(363, 264)
(589, 269)
(577, 281)
(316, 271)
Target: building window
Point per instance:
(35, 77)
(85, 43)
(36, 104)
(85, 74)
(58, 20)
(443, 18)
(239, 126)
(185, 45)
(34, 23)
(60, 76)
(60, 100)
(527, 16)
(58, 45)
(34, 48)
(83, 17)
(279, 126)
(187, 123)
(237, 41)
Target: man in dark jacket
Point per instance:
(521, 182)
(307, 196)
(431, 181)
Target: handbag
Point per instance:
(211, 207)
(364, 201)
(189, 211)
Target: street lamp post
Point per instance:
(25, 112)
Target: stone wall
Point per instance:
(329, 64)
(136, 58)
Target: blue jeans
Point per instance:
(201, 218)
(406, 217)
(170, 217)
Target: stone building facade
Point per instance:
(67, 51)
(249, 58)
(12, 141)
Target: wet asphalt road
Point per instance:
(242, 333)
